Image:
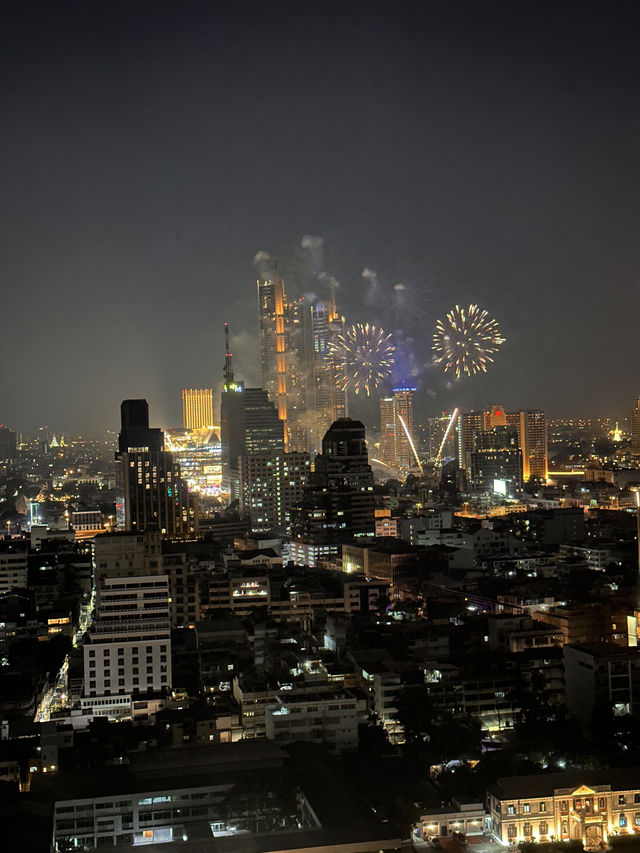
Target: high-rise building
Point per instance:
(327, 401)
(533, 442)
(531, 429)
(249, 425)
(150, 492)
(273, 349)
(339, 503)
(470, 424)
(403, 427)
(283, 325)
(496, 461)
(197, 408)
(387, 431)
(436, 432)
(397, 441)
(635, 428)
(272, 485)
(8, 444)
(127, 652)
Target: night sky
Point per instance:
(472, 151)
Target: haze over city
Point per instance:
(320, 426)
(470, 152)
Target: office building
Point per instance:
(298, 367)
(531, 429)
(8, 444)
(327, 401)
(635, 428)
(272, 339)
(387, 431)
(470, 424)
(150, 492)
(339, 503)
(496, 463)
(397, 429)
(249, 426)
(197, 408)
(436, 432)
(532, 439)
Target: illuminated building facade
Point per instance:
(387, 431)
(531, 428)
(635, 428)
(199, 453)
(150, 492)
(497, 457)
(272, 338)
(578, 805)
(272, 485)
(197, 408)
(327, 402)
(436, 431)
(397, 429)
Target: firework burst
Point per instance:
(364, 358)
(465, 341)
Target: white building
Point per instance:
(13, 567)
(324, 715)
(128, 653)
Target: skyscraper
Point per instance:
(326, 401)
(298, 367)
(387, 431)
(8, 444)
(197, 408)
(397, 428)
(635, 428)
(533, 441)
(436, 432)
(273, 349)
(339, 503)
(150, 492)
(497, 457)
(404, 428)
(531, 429)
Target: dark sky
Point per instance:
(483, 151)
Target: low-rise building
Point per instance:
(329, 716)
(579, 805)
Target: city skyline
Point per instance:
(454, 155)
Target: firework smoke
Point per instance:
(265, 264)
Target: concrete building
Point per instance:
(465, 818)
(150, 491)
(13, 565)
(601, 677)
(321, 714)
(127, 654)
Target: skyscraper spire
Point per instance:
(228, 366)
